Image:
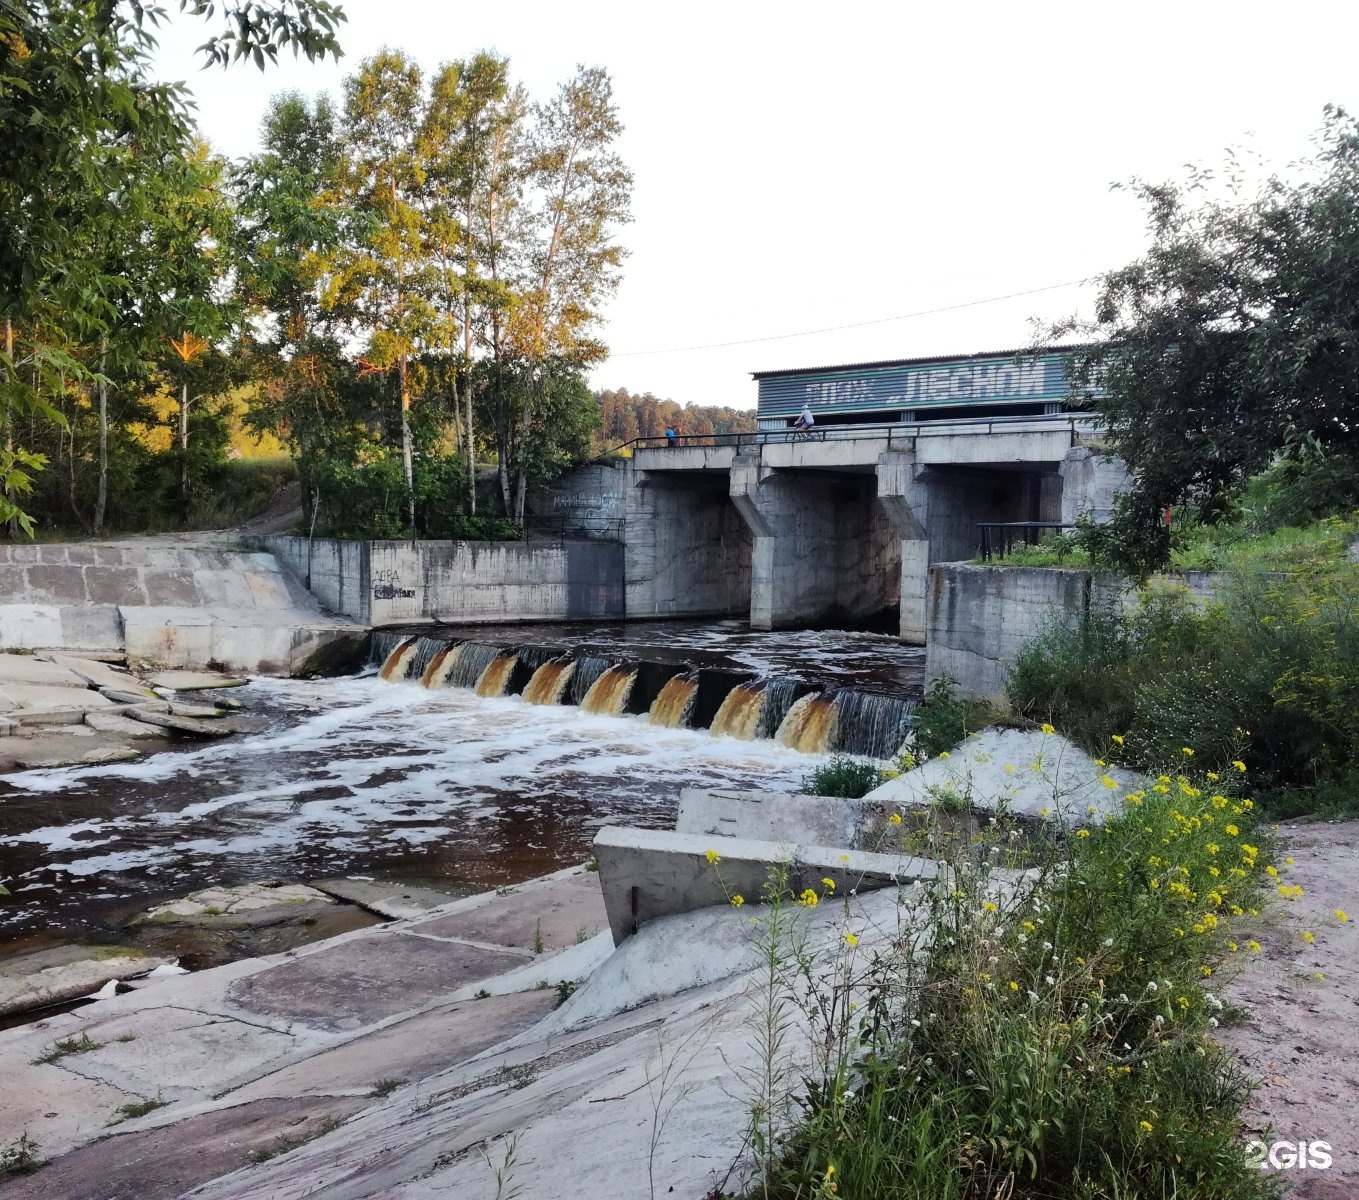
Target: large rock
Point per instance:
(46, 977)
(1025, 772)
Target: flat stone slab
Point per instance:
(41, 704)
(255, 903)
(29, 981)
(164, 1163)
(410, 1050)
(179, 724)
(352, 985)
(191, 681)
(650, 873)
(120, 726)
(195, 712)
(29, 668)
(176, 1052)
(557, 916)
(386, 899)
(71, 749)
(96, 674)
(129, 693)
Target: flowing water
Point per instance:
(502, 766)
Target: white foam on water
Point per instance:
(359, 764)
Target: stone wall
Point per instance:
(181, 606)
(400, 583)
(980, 617)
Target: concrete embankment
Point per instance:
(980, 617)
(168, 603)
(383, 583)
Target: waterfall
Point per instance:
(497, 674)
(810, 724)
(588, 669)
(399, 660)
(473, 658)
(739, 714)
(381, 643)
(549, 681)
(675, 704)
(609, 693)
(870, 724)
(779, 695)
(426, 650)
(436, 674)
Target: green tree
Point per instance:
(583, 194)
(1232, 342)
(78, 110)
(385, 279)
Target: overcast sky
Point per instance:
(806, 167)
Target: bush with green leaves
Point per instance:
(943, 718)
(843, 776)
(1268, 671)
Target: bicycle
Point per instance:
(807, 435)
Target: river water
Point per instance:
(442, 788)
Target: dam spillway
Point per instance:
(803, 714)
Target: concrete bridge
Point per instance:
(794, 533)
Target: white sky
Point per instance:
(799, 167)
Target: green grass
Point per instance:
(68, 1046)
(138, 1108)
(843, 776)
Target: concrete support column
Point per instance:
(1091, 482)
(905, 501)
(745, 478)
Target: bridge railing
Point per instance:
(999, 538)
(901, 433)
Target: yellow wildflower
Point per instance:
(1239, 765)
(1109, 783)
(830, 883)
(852, 939)
(1341, 915)
(1014, 987)
(988, 906)
(1048, 728)
(1230, 830)
(1309, 937)
(1082, 833)
(1186, 751)
(894, 819)
(1213, 776)
(1145, 1126)
(809, 899)
(713, 857)
(1118, 741)
(1253, 946)
(737, 900)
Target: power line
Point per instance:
(924, 312)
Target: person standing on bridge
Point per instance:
(806, 420)
(671, 437)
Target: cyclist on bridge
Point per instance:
(805, 421)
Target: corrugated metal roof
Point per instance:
(942, 359)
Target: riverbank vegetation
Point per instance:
(1048, 1034)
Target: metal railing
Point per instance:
(998, 538)
(893, 433)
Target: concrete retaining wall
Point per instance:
(402, 583)
(180, 606)
(980, 617)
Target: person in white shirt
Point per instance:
(806, 420)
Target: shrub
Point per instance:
(943, 718)
(843, 776)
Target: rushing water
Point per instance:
(438, 784)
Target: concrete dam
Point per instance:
(807, 716)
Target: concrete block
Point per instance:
(28, 668)
(29, 625)
(170, 637)
(89, 627)
(650, 873)
(174, 588)
(56, 584)
(781, 817)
